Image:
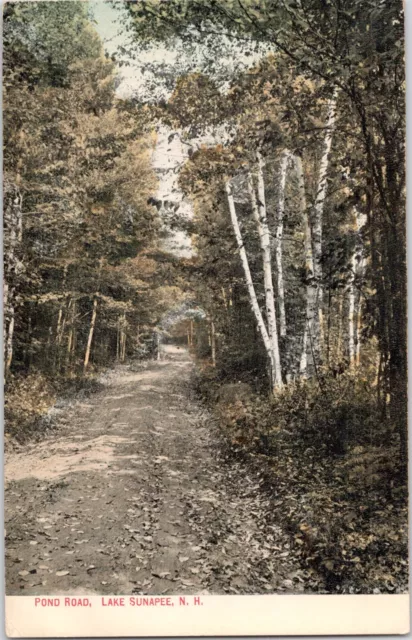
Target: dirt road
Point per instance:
(129, 495)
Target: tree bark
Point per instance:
(320, 205)
(61, 309)
(93, 319)
(13, 232)
(122, 337)
(71, 337)
(357, 266)
(311, 339)
(90, 336)
(213, 342)
(248, 277)
(278, 243)
(9, 341)
(260, 215)
(351, 316)
(340, 330)
(358, 331)
(118, 340)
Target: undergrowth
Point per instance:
(331, 465)
(28, 400)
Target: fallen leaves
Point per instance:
(200, 521)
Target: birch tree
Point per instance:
(284, 163)
(275, 366)
(310, 340)
(260, 217)
(321, 192)
(13, 224)
(357, 265)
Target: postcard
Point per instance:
(205, 349)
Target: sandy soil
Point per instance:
(130, 495)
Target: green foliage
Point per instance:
(330, 465)
(77, 162)
(357, 49)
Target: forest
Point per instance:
(292, 300)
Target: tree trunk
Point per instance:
(278, 242)
(72, 331)
(124, 346)
(351, 317)
(13, 232)
(61, 309)
(259, 213)
(118, 340)
(93, 318)
(248, 276)
(90, 336)
(340, 330)
(60, 332)
(357, 267)
(358, 331)
(122, 337)
(9, 340)
(213, 342)
(320, 205)
(311, 340)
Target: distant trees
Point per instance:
(80, 285)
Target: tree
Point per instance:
(358, 50)
(77, 161)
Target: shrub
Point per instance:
(330, 463)
(27, 400)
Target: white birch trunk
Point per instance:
(303, 364)
(259, 215)
(278, 242)
(311, 331)
(357, 266)
(248, 276)
(358, 331)
(320, 204)
(351, 314)
(340, 330)
(264, 236)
